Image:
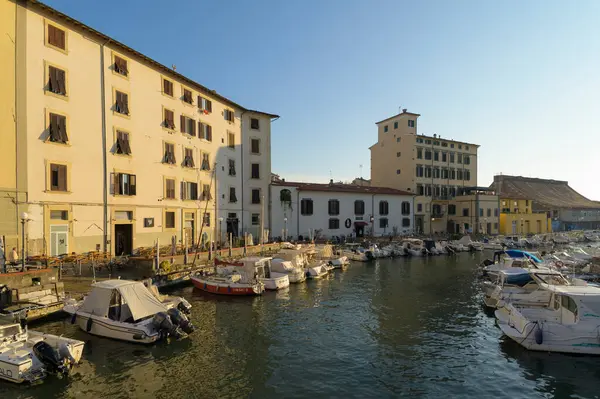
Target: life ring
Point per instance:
(348, 223)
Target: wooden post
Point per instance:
(157, 257)
(230, 244)
(245, 243)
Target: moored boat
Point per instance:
(295, 274)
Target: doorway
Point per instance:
(188, 229)
(123, 239)
(59, 239)
(232, 225)
(359, 229)
(419, 224)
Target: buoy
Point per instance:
(73, 318)
(88, 326)
(539, 335)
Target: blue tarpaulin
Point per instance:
(515, 253)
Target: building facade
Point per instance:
(302, 210)
(517, 217)
(433, 168)
(114, 150)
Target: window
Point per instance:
(444, 144)
(306, 207)
(256, 195)
(395, 125)
(451, 209)
(384, 208)
(255, 219)
(489, 212)
(167, 87)
(58, 177)
(204, 104)
(452, 174)
(120, 66)
(397, 171)
(333, 207)
(125, 184)
(436, 156)
(255, 146)
(57, 81)
(385, 128)
(228, 115)
(437, 191)
(169, 220)
(444, 157)
(419, 171)
(495, 226)
(419, 207)
(495, 211)
(231, 140)
(459, 174)
(121, 103)
(405, 222)
(436, 173)
(452, 145)
(459, 159)
(188, 125)
(59, 215)
(411, 123)
(405, 208)
(254, 123)
(428, 171)
(57, 37)
(419, 140)
(465, 212)
(206, 219)
(359, 207)
(334, 224)
(428, 154)
(187, 96)
(383, 223)
(420, 189)
(255, 173)
(397, 155)
(122, 144)
(480, 211)
(170, 188)
(204, 131)
(206, 195)
(460, 146)
(232, 167)
(397, 139)
(189, 190)
(169, 119)
(436, 142)
(445, 173)
(232, 196)
(467, 175)
(419, 153)
(57, 131)
(188, 159)
(169, 155)
(205, 161)
(467, 160)
(451, 157)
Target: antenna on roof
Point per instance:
(360, 166)
(174, 67)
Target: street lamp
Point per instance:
(285, 229)
(522, 226)
(24, 219)
(220, 232)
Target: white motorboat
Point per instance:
(568, 323)
(355, 252)
(508, 259)
(177, 302)
(317, 271)
(414, 247)
(340, 262)
(128, 311)
(295, 274)
(261, 267)
(470, 244)
(521, 286)
(28, 356)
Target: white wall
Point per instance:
(298, 224)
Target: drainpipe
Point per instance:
(242, 165)
(104, 154)
(269, 181)
(298, 213)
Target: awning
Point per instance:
(359, 224)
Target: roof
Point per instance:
(112, 284)
(343, 188)
(544, 192)
(109, 40)
(397, 115)
(574, 289)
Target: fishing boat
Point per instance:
(295, 274)
(234, 278)
(28, 356)
(128, 311)
(568, 323)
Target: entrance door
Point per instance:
(360, 230)
(489, 228)
(188, 229)
(123, 239)
(232, 225)
(419, 224)
(59, 239)
(514, 227)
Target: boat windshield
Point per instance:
(552, 279)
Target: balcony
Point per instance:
(437, 215)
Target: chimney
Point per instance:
(331, 182)
(404, 110)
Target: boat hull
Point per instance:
(276, 283)
(227, 289)
(140, 333)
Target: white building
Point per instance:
(297, 209)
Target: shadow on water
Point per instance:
(407, 327)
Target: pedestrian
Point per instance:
(13, 257)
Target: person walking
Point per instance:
(13, 257)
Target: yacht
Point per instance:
(128, 311)
(569, 322)
(29, 356)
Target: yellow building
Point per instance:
(114, 150)
(432, 167)
(518, 218)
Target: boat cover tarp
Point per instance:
(281, 266)
(516, 276)
(139, 300)
(515, 253)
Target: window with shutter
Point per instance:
(334, 207)
(169, 155)
(232, 196)
(122, 145)
(170, 220)
(228, 115)
(255, 146)
(168, 87)
(169, 119)
(206, 195)
(205, 162)
(254, 124)
(206, 219)
(359, 207)
(121, 103)
(405, 208)
(255, 171)
(56, 37)
(231, 140)
(256, 196)
(170, 188)
(57, 129)
(231, 167)
(120, 66)
(306, 206)
(57, 81)
(187, 96)
(58, 177)
(188, 160)
(383, 207)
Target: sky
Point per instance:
(521, 79)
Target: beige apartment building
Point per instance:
(113, 150)
(438, 170)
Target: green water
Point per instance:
(392, 328)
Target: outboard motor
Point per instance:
(180, 319)
(165, 326)
(370, 255)
(184, 306)
(50, 358)
(487, 262)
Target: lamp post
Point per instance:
(24, 219)
(220, 232)
(522, 226)
(285, 229)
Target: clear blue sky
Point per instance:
(522, 79)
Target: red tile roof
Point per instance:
(342, 188)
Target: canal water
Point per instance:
(391, 328)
